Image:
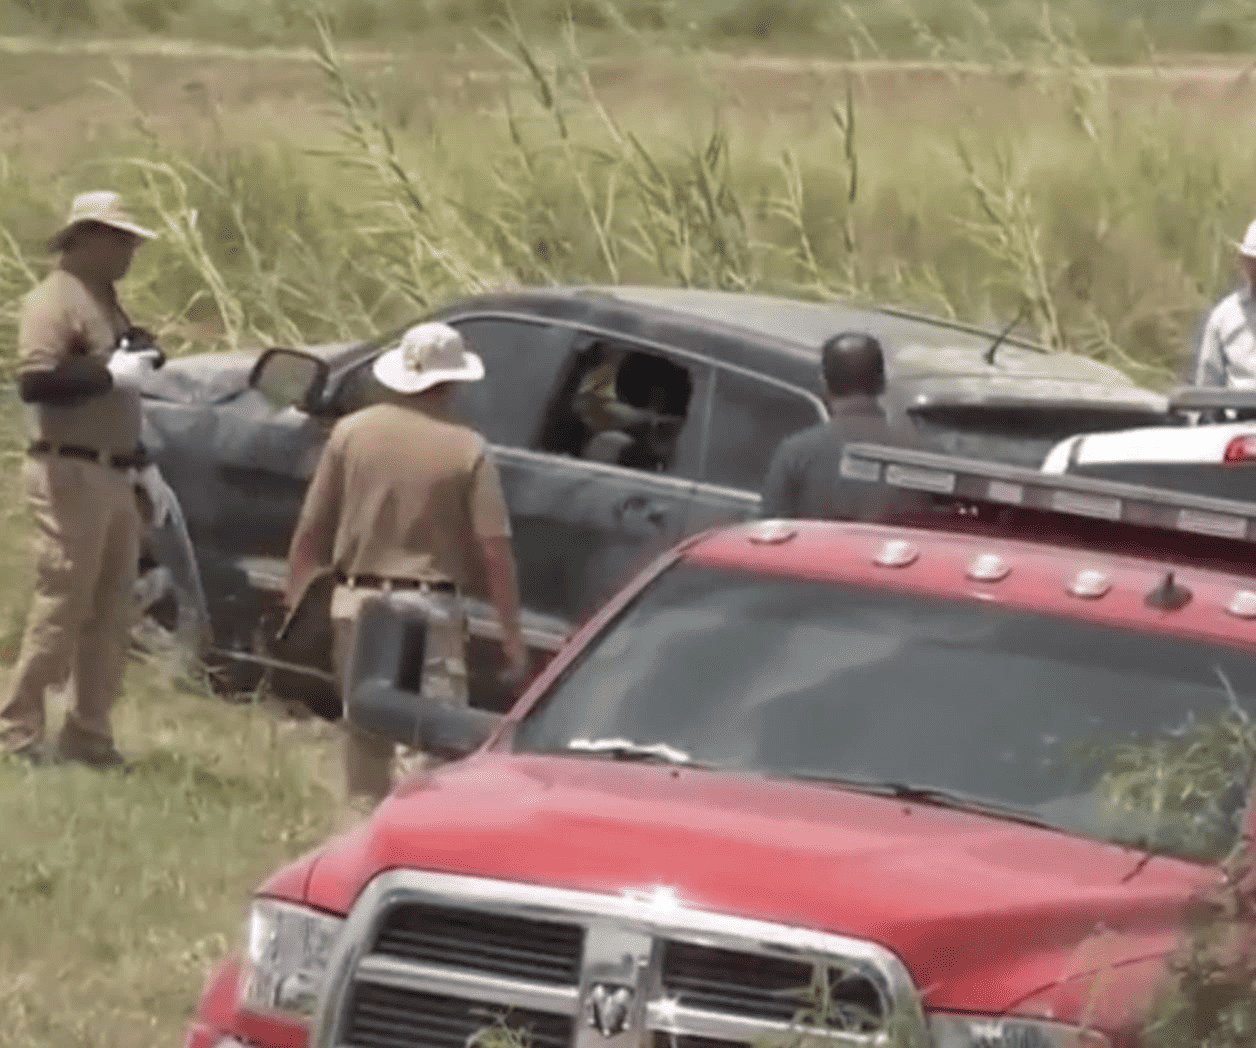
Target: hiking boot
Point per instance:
(100, 758)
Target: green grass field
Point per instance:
(900, 28)
(311, 199)
(117, 892)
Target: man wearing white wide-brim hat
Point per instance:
(1227, 351)
(407, 498)
(83, 405)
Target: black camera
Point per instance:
(140, 340)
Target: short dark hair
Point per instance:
(853, 364)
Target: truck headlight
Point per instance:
(286, 957)
(979, 1031)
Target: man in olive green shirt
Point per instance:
(83, 408)
(406, 498)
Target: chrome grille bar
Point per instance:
(666, 1017)
(448, 982)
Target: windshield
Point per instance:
(834, 682)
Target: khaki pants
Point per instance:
(86, 553)
(368, 758)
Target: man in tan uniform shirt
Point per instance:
(406, 498)
(84, 420)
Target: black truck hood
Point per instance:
(215, 378)
(203, 378)
(929, 377)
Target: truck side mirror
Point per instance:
(289, 378)
(382, 680)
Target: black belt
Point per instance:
(104, 458)
(384, 582)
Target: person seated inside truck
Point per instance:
(633, 406)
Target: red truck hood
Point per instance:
(982, 911)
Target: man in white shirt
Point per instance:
(1227, 351)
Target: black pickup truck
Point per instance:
(238, 436)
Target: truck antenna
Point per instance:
(994, 346)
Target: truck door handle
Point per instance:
(639, 505)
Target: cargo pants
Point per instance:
(79, 625)
(368, 758)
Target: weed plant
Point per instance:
(1199, 778)
(1101, 212)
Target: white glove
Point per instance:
(160, 496)
(129, 369)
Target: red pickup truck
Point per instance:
(839, 782)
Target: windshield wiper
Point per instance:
(627, 750)
(906, 791)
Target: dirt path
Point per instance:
(1184, 70)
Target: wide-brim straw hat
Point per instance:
(428, 355)
(1247, 246)
(101, 206)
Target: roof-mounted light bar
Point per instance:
(1211, 398)
(976, 480)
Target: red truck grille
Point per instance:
(432, 959)
(788, 991)
(495, 944)
(384, 1017)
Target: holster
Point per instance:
(436, 668)
(306, 636)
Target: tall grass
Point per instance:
(1101, 214)
(1192, 781)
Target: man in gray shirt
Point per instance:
(804, 479)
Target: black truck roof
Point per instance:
(930, 361)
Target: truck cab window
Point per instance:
(750, 419)
(522, 360)
(623, 406)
